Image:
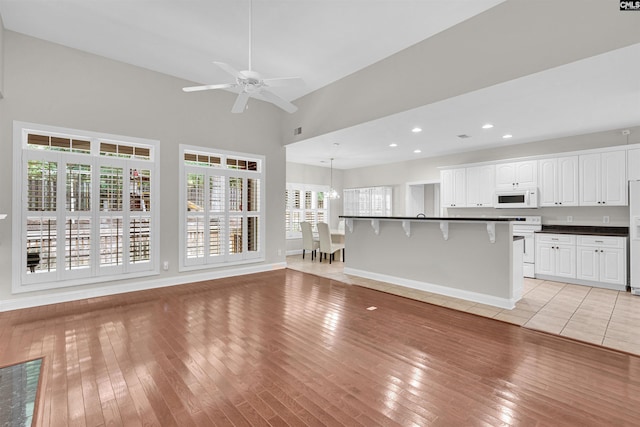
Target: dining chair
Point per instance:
(327, 246)
(309, 243)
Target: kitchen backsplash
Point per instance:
(581, 215)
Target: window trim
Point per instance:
(19, 178)
(226, 259)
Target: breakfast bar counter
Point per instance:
(475, 259)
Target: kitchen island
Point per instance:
(475, 259)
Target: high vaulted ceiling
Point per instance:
(324, 41)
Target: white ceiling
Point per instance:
(595, 94)
(318, 40)
(323, 41)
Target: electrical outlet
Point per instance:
(569, 218)
(605, 219)
(165, 265)
(279, 252)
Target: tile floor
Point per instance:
(594, 315)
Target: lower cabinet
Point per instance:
(556, 255)
(589, 260)
(602, 259)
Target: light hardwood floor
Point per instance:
(288, 348)
(594, 315)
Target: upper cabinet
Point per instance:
(633, 160)
(481, 185)
(517, 174)
(558, 181)
(452, 187)
(603, 179)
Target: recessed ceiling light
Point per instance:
(487, 126)
(393, 144)
(507, 136)
(417, 151)
(416, 129)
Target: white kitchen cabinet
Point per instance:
(453, 188)
(603, 179)
(481, 185)
(558, 181)
(633, 162)
(517, 174)
(556, 255)
(602, 259)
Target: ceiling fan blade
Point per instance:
(241, 103)
(284, 81)
(208, 87)
(228, 68)
(276, 100)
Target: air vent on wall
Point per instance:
(463, 136)
(297, 131)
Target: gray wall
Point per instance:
(514, 39)
(467, 261)
(1, 58)
(50, 84)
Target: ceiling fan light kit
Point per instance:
(251, 84)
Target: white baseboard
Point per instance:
(506, 303)
(149, 283)
(294, 252)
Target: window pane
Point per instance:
(38, 141)
(77, 243)
(295, 221)
(321, 200)
(310, 217)
(111, 186)
(296, 199)
(308, 198)
(235, 194)
(322, 216)
(215, 236)
(253, 237)
(253, 195)
(140, 190)
(195, 236)
(195, 192)
(216, 193)
(78, 187)
(139, 240)
(41, 244)
(235, 234)
(111, 241)
(42, 184)
(62, 143)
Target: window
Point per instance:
(89, 211)
(222, 211)
(371, 201)
(305, 203)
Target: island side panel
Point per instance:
(467, 261)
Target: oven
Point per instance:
(526, 226)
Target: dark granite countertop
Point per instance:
(433, 218)
(586, 230)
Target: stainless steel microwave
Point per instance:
(517, 198)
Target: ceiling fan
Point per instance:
(251, 84)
